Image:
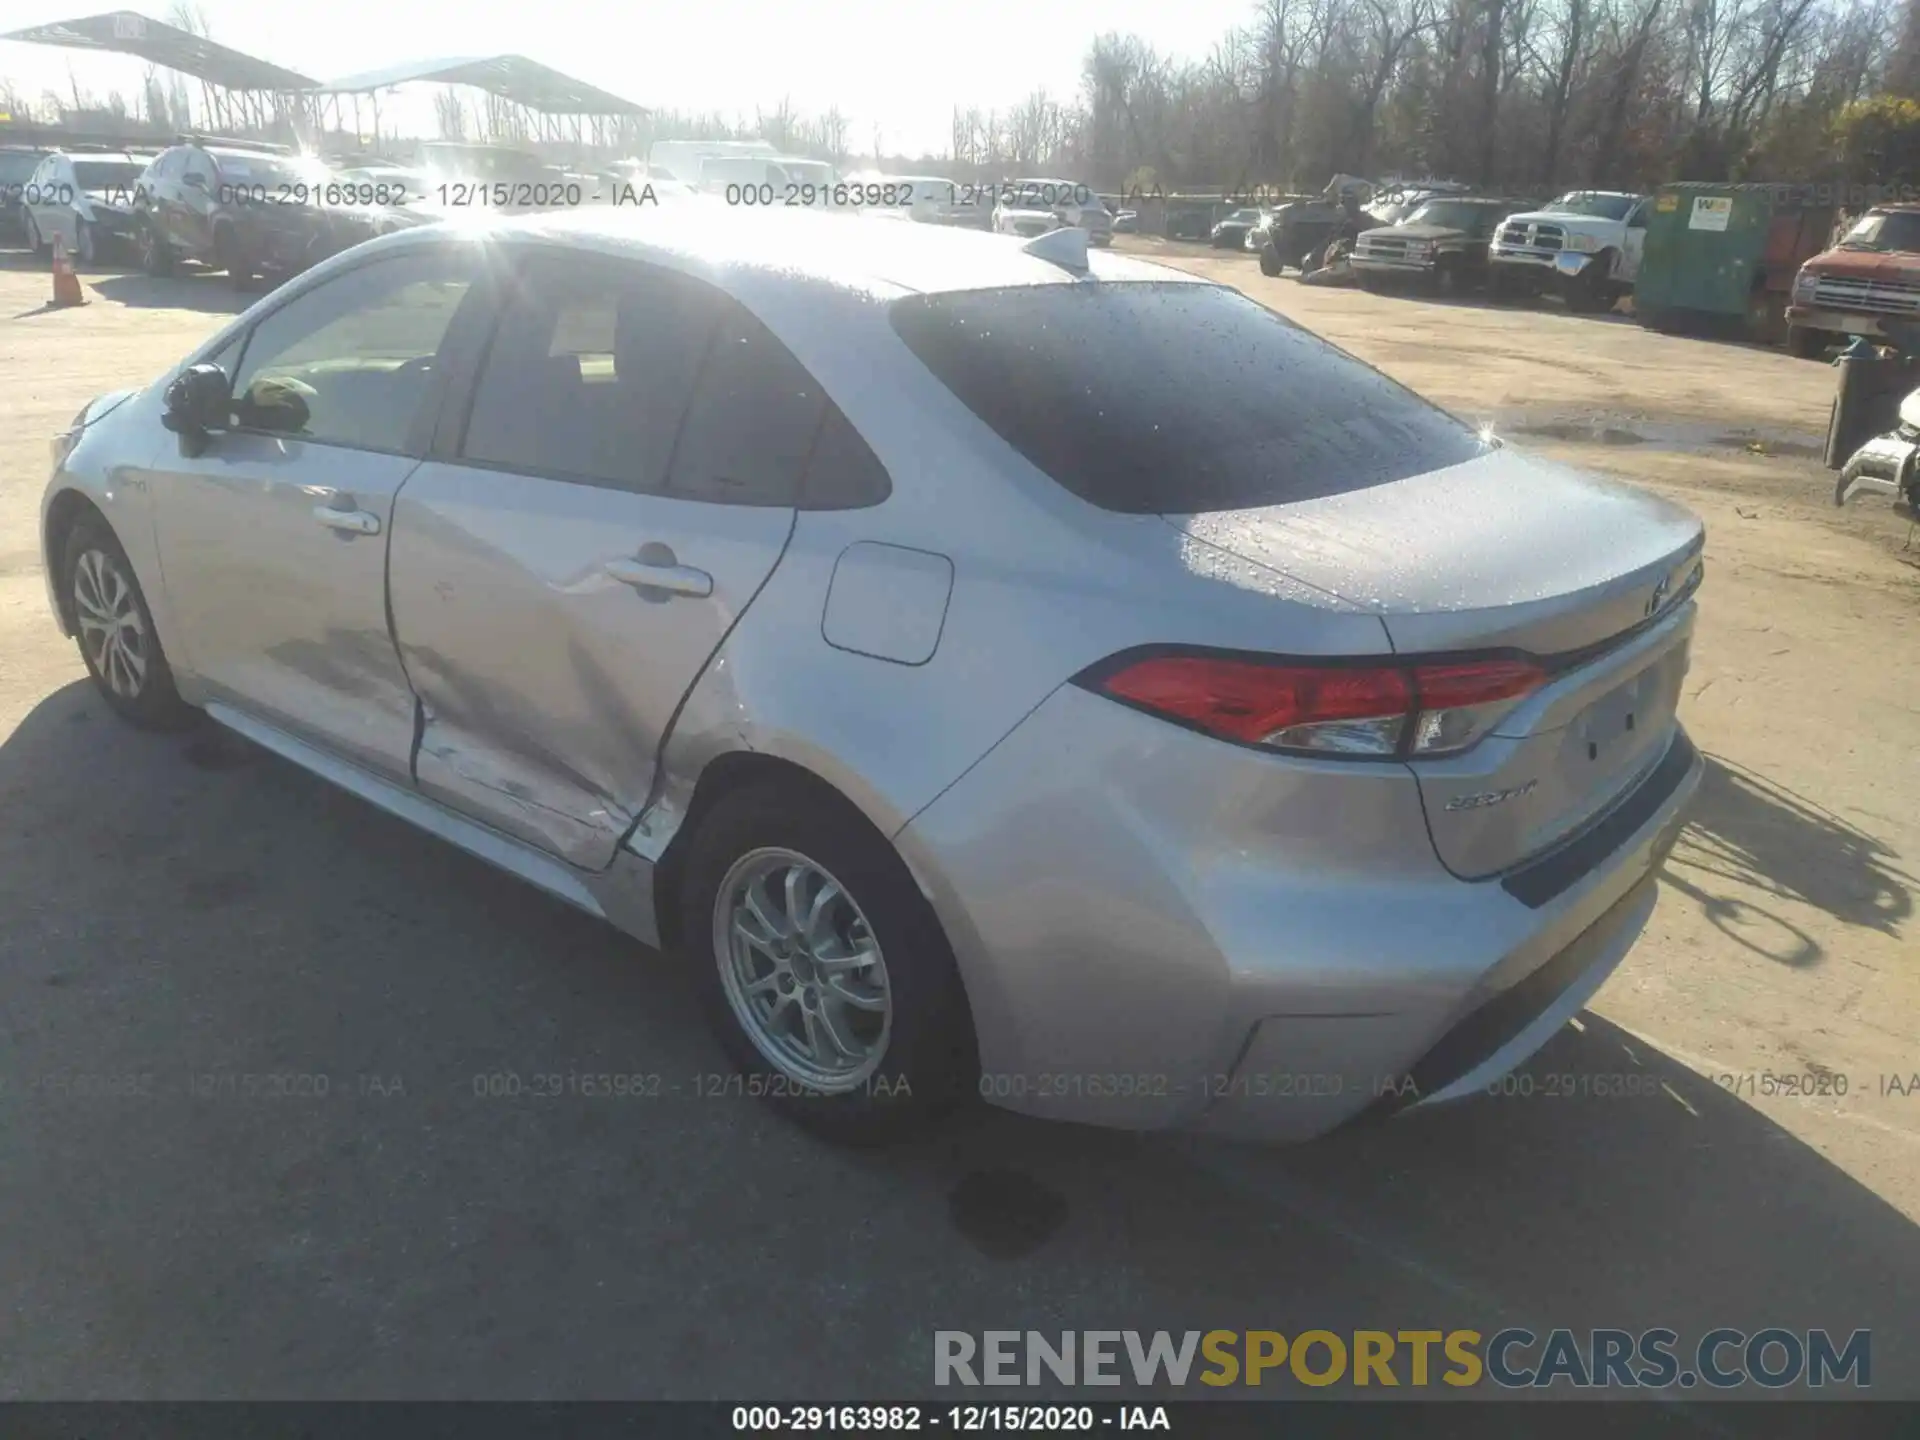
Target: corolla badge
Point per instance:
(1658, 597)
(1484, 798)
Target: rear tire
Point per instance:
(115, 630)
(1269, 262)
(36, 242)
(860, 1053)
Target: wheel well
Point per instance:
(68, 509)
(737, 770)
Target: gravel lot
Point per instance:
(188, 908)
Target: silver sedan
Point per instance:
(995, 668)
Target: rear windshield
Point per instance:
(108, 174)
(1173, 397)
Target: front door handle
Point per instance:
(673, 579)
(353, 522)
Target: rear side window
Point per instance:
(752, 421)
(651, 381)
(589, 373)
(1175, 398)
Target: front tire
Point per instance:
(1804, 343)
(36, 243)
(156, 257)
(115, 632)
(823, 971)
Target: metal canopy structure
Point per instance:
(129, 33)
(514, 78)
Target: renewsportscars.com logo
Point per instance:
(1512, 1359)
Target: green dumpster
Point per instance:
(1720, 258)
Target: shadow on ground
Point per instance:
(1748, 834)
(295, 1109)
(187, 290)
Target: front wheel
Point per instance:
(823, 970)
(156, 256)
(88, 247)
(115, 631)
(36, 243)
(1269, 262)
(1591, 291)
(1804, 343)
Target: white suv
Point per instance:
(1585, 246)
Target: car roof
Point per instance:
(881, 256)
(115, 155)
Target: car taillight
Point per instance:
(1411, 708)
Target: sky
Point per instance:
(900, 65)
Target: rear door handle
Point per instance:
(673, 579)
(353, 522)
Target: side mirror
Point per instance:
(197, 401)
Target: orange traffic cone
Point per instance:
(66, 284)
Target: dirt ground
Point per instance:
(1784, 943)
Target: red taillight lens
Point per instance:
(1410, 708)
(1328, 707)
(1460, 701)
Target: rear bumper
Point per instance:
(1160, 931)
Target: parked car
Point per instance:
(17, 164)
(1034, 206)
(84, 199)
(1871, 274)
(1584, 247)
(1231, 233)
(978, 662)
(1442, 245)
(252, 210)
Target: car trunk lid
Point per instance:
(1507, 553)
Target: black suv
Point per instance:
(248, 209)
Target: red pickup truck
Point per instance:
(1872, 273)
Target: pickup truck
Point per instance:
(1872, 274)
(1585, 247)
(1442, 245)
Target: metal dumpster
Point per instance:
(1720, 258)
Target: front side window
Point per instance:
(1590, 202)
(1173, 397)
(350, 361)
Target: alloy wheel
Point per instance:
(112, 630)
(802, 970)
